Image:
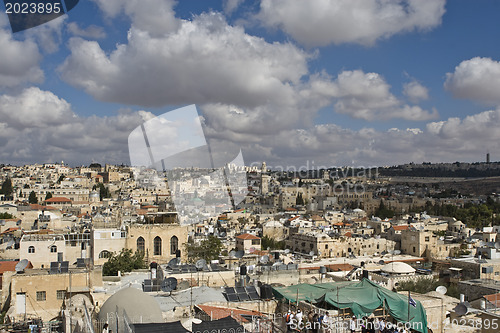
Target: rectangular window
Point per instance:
(41, 296)
(255, 241)
(427, 238)
(61, 294)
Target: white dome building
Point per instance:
(397, 267)
(138, 306)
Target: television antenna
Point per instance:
(20, 266)
(442, 290)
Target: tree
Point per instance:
(61, 178)
(421, 285)
(103, 191)
(124, 261)
(32, 198)
(208, 249)
(273, 244)
(48, 195)
(6, 216)
(7, 188)
(383, 212)
(299, 201)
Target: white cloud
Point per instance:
(323, 22)
(37, 126)
(204, 61)
(92, 31)
(366, 96)
(48, 35)
(156, 17)
(44, 129)
(34, 108)
(415, 91)
(231, 5)
(20, 61)
(476, 79)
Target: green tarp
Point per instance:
(361, 297)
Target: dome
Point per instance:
(397, 267)
(139, 307)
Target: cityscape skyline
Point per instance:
(418, 86)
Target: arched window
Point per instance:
(31, 249)
(174, 244)
(157, 246)
(140, 244)
(53, 249)
(104, 254)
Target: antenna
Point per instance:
(442, 290)
(264, 259)
(173, 262)
(461, 309)
(169, 285)
(200, 264)
(22, 265)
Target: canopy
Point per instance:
(362, 298)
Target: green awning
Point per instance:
(361, 297)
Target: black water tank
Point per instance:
(266, 291)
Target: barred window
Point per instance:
(41, 296)
(61, 294)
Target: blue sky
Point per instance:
(335, 82)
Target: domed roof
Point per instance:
(139, 307)
(397, 267)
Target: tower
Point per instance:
(488, 157)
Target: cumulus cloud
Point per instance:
(157, 17)
(48, 35)
(204, 61)
(34, 108)
(476, 79)
(20, 61)
(415, 91)
(46, 130)
(92, 31)
(38, 126)
(366, 96)
(230, 6)
(323, 22)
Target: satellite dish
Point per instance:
(381, 262)
(168, 285)
(442, 290)
(200, 264)
(22, 265)
(173, 262)
(288, 250)
(397, 252)
(461, 309)
(10, 243)
(311, 253)
(232, 254)
(497, 245)
(239, 254)
(264, 259)
(391, 252)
